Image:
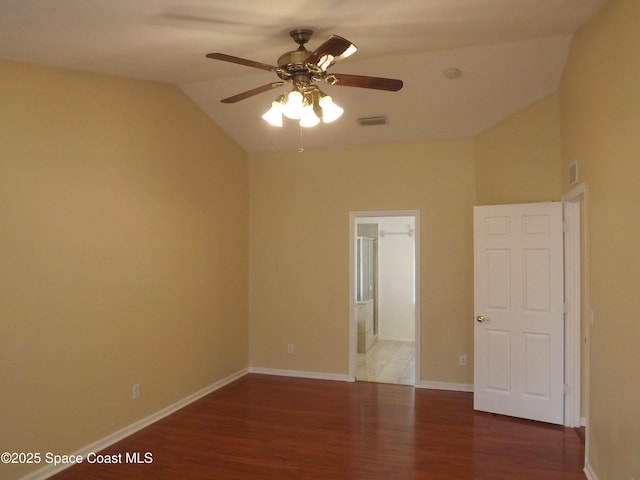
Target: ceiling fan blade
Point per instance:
(241, 61)
(331, 51)
(251, 93)
(379, 83)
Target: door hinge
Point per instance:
(566, 389)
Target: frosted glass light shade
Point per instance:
(293, 108)
(309, 117)
(274, 115)
(330, 111)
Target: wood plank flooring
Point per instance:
(265, 427)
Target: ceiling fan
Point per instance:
(303, 69)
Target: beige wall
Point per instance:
(123, 255)
(299, 247)
(123, 244)
(519, 159)
(600, 111)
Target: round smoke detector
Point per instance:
(452, 73)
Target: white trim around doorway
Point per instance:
(572, 201)
(353, 327)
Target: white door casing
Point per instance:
(353, 337)
(519, 311)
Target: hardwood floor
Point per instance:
(264, 427)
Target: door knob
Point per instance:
(482, 319)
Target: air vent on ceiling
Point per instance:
(369, 121)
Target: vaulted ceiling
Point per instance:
(510, 52)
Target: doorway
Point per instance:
(384, 297)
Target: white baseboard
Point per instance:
(588, 471)
(396, 339)
(301, 374)
(109, 440)
(454, 387)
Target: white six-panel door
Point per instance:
(519, 311)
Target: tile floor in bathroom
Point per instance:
(387, 362)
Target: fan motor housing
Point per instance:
(296, 58)
(292, 67)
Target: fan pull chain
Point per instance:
(301, 148)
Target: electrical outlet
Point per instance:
(135, 391)
(462, 360)
(290, 348)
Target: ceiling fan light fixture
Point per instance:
(330, 111)
(274, 115)
(293, 107)
(302, 68)
(309, 117)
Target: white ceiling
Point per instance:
(511, 53)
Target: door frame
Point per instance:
(353, 327)
(574, 225)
